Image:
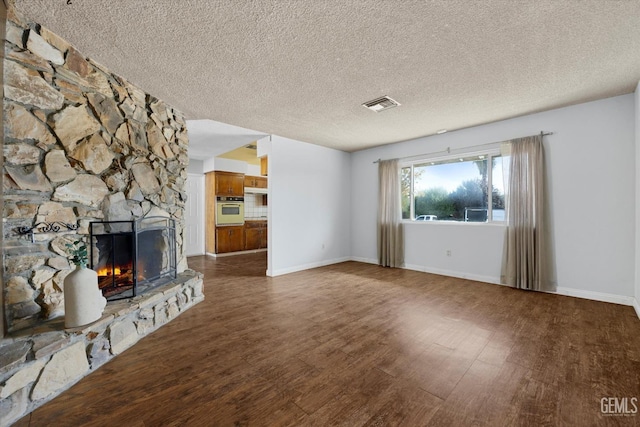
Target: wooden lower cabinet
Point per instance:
(235, 238)
(229, 239)
(263, 238)
(255, 235)
(252, 238)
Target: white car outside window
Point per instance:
(426, 218)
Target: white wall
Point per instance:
(230, 165)
(195, 167)
(469, 244)
(253, 170)
(309, 206)
(591, 168)
(637, 181)
(222, 164)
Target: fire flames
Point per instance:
(119, 275)
(104, 271)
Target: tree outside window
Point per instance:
(454, 189)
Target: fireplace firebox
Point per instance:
(132, 257)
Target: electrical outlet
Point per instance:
(448, 252)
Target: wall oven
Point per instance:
(229, 210)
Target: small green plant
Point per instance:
(78, 250)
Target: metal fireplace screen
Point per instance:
(132, 257)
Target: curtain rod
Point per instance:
(448, 150)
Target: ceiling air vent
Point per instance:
(382, 103)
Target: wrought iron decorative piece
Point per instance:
(46, 227)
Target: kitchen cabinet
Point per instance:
(255, 235)
(229, 239)
(229, 184)
(263, 237)
(255, 181)
(252, 238)
(210, 210)
(264, 166)
(219, 184)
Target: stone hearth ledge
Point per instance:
(37, 365)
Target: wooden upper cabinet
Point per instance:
(249, 181)
(261, 182)
(229, 184)
(264, 166)
(255, 181)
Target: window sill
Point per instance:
(457, 223)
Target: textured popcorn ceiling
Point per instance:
(301, 69)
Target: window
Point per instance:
(454, 189)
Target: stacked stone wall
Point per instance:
(81, 144)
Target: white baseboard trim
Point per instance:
(253, 251)
(196, 254)
(450, 273)
(311, 265)
(365, 260)
(596, 296)
(636, 305)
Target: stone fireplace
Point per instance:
(82, 145)
(87, 156)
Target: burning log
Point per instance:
(125, 278)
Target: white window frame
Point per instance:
(489, 153)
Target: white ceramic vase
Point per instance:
(83, 300)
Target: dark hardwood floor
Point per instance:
(355, 344)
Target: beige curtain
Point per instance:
(390, 238)
(525, 264)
